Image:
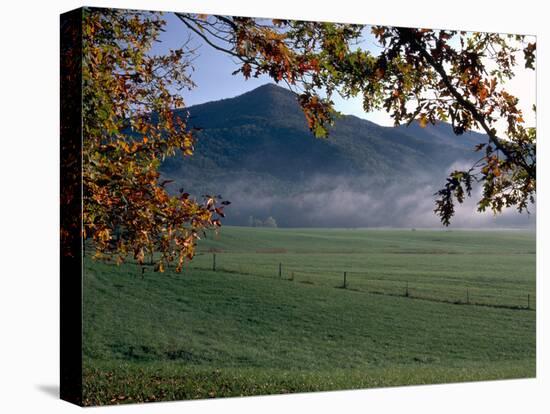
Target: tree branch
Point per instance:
(205, 38)
(405, 33)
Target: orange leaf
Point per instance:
(423, 121)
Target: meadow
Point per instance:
(265, 311)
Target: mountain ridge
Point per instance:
(254, 131)
(255, 149)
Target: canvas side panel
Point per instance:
(71, 207)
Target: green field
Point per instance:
(419, 307)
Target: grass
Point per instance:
(242, 330)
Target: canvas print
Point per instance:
(255, 206)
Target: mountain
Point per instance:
(256, 150)
(264, 131)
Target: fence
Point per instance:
(430, 289)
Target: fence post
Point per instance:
(468, 296)
(213, 262)
(528, 301)
(345, 280)
(280, 269)
(407, 290)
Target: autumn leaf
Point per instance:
(423, 121)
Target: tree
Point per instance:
(270, 222)
(423, 75)
(129, 125)
(128, 129)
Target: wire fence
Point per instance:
(430, 288)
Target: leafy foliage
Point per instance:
(126, 208)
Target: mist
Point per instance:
(358, 201)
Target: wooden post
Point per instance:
(280, 269)
(528, 301)
(345, 281)
(407, 290)
(213, 262)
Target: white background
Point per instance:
(29, 160)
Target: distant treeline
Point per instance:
(256, 222)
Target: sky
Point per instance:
(214, 80)
(213, 70)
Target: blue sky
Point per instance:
(213, 70)
(214, 81)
